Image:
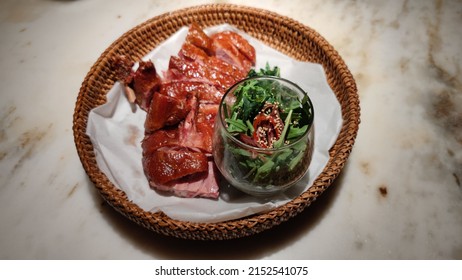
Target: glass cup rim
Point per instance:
(258, 149)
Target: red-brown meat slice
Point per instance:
(241, 44)
(159, 139)
(187, 89)
(167, 164)
(190, 52)
(227, 68)
(197, 37)
(188, 134)
(204, 184)
(205, 121)
(228, 48)
(165, 111)
(181, 69)
(145, 82)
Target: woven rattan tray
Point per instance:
(281, 33)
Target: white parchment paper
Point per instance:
(117, 128)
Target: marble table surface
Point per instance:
(398, 197)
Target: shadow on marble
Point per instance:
(252, 247)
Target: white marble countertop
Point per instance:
(399, 196)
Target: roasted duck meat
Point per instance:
(181, 108)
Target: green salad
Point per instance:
(272, 117)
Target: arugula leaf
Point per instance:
(295, 132)
(294, 162)
(250, 126)
(241, 152)
(236, 125)
(265, 72)
(264, 169)
(281, 139)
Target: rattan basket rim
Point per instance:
(280, 32)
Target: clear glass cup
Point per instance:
(263, 171)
